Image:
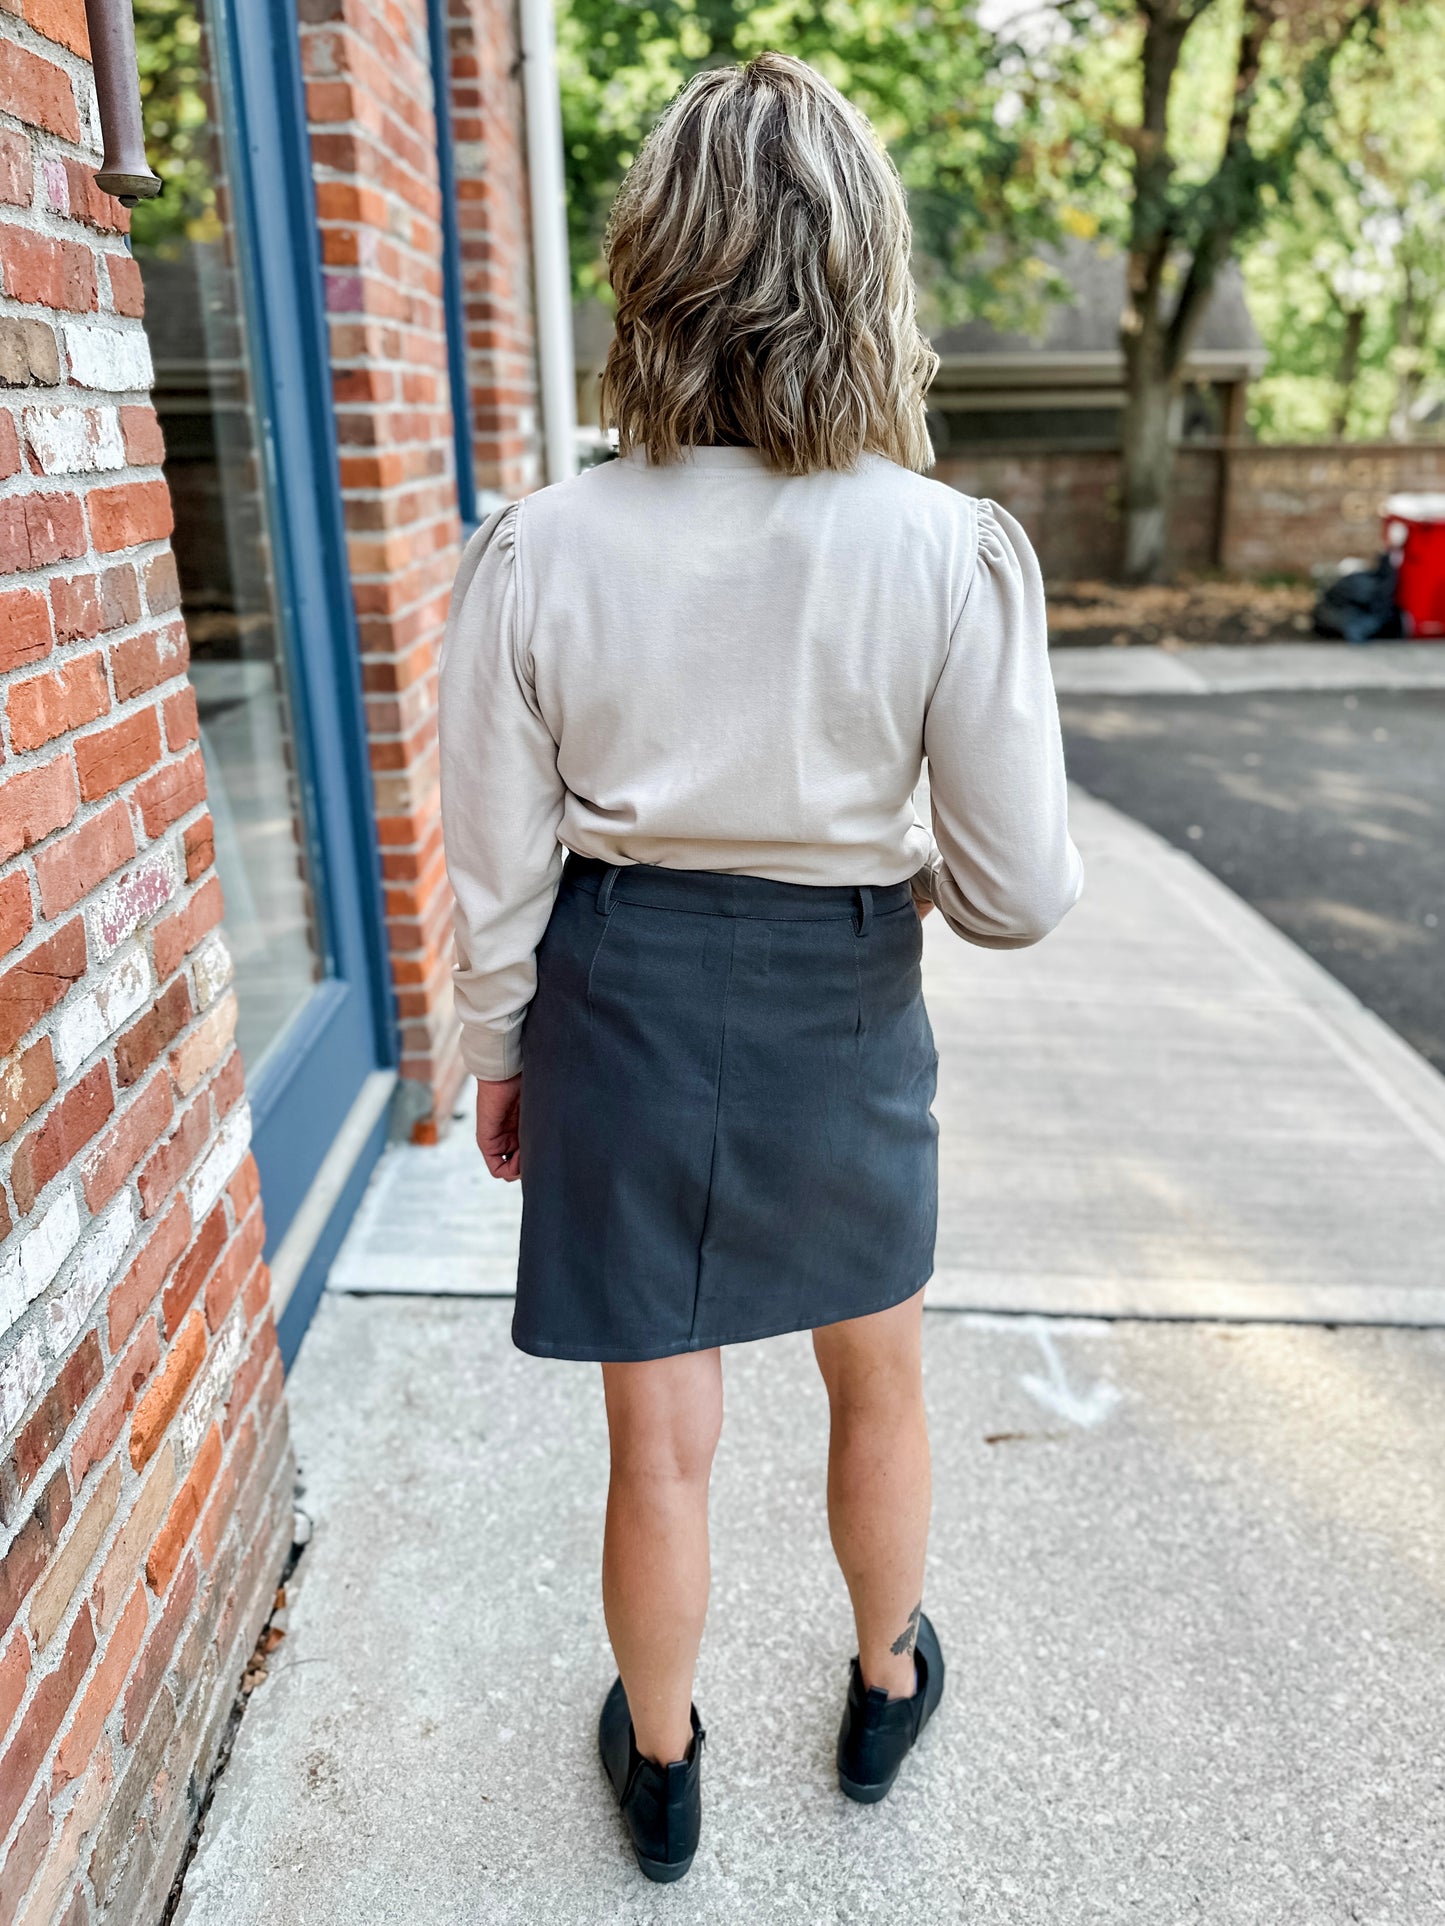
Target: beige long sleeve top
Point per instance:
(712, 666)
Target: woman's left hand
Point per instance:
(499, 1111)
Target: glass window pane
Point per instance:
(186, 244)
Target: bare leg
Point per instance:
(879, 1486)
(664, 1418)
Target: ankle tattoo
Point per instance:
(908, 1637)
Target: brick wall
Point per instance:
(1290, 507)
(1068, 500)
(1247, 508)
(144, 1471)
(373, 144)
(496, 244)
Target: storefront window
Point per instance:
(204, 393)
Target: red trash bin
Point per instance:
(1415, 533)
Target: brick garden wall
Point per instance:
(1068, 500)
(1247, 508)
(145, 1483)
(496, 244)
(1290, 507)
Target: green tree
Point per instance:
(980, 185)
(1207, 107)
(1347, 279)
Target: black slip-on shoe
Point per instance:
(662, 1805)
(878, 1733)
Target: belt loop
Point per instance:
(604, 893)
(865, 910)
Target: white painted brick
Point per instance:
(74, 441)
(99, 1260)
(86, 1021)
(211, 1389)
(12, 1289)
(112, 358)
(45, 1248)
(130, 900)
(213, 969)
(21, 1377)
(219, 1163)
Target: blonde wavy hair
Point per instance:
(759, 254)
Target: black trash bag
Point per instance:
(1360, 607)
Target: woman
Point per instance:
(712, 670)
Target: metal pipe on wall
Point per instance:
(124, 171)
(551, 272)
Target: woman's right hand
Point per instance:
(499, 1111)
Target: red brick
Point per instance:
(103, 1692)
(85, 605)
(171, 792)
(233, 1270)
(17, 173)
(145, 445)
(163, 586)
(178, 935)
(137, 1289)
(38, 982)
(79, 1376)
(61, 20)
(24, 626)
(228, 1083)
(47, 1709)
(14, 1671)
(222, 1505)
(55, 525)
(16, 913)
(200, 847)
(66, 1131)
(38, 92)
(142, 661)
(114, 1158)
(90, 203)
(165, 1553)
(160, 1649)
(27, 1083)
(72, 865)
(14, 536)
(26, 1855)
(31, 1547)
(170, 1163)
(139, 1047)
(34, 803)
(183, 724)
(130, 513)
(162, 1401)
(190, 1273)
(45, 706)
(127, 1380)
(43, 272)
(109, 757)
(127, 290)
(245, 1187)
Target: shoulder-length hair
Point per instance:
(759, 255)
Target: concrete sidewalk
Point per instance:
(1188, 1574)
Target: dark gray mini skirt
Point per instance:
(726, 1130)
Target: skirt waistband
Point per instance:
(706, 892)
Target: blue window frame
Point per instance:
(452, 296)
(311, 1085)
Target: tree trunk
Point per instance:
(1147, 456)
(1349, 369)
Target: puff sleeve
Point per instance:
(501, 800)
(1003, 870)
